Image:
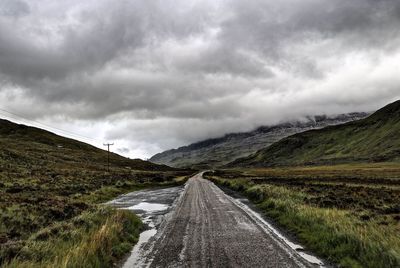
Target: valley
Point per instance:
(324, 197)
(200, 134)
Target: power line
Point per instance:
(48, 126)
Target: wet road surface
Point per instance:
(154, 206)
(204, 227)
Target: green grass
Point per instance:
(97, 238)
(350, 225)
(373, 139)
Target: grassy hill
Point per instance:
(46, 179)
(373, 139)
(29, 146)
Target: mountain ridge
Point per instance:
(219, 151)
(372, 139)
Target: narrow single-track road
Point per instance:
(207, 228)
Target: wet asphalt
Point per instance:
(200, 226)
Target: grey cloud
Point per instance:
(277, 22)
(123, 150)
(170, 72)
(85, 47)
(274, 27)
(13, 8)
(95, 38)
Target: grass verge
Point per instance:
(97, 238)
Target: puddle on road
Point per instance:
(145, 236)
(311, 259)
(148, 207)
(133, 260)
(151, 206)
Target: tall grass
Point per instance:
(97, 238)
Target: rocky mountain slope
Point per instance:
(216, 152)
(373, 139)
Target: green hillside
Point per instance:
(29, 146)
(373, 139)
(46, 179)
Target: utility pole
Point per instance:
(108, 154)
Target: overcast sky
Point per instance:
(156, 74)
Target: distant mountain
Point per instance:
(216, 152)
(373, 139)
(27, 147)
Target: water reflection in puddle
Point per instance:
(148, 207)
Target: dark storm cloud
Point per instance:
(169, 72)
(67, 48)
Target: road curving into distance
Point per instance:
(207, 228)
